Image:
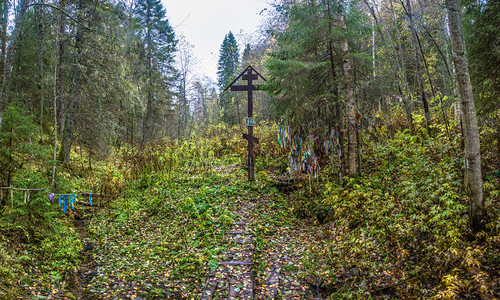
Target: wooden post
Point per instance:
(251, 163)
(249, 76)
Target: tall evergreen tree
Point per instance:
(9, 53)
(70, 126)
(246, 57)
(158, 55)
(481, 26)
(227, 69)
(228, 60)
(313, 50)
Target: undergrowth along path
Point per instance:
(208, 236)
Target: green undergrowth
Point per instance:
(39, 269)
(157, 235)
(401, 229)
(163, 237)
(164, 212)
(167, 230)
(39, 245)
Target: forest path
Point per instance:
(281, 244)
(233, 278)
(264, 257)
(87, 267)
(211, 237)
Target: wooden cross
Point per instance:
(249, 74)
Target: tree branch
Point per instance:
(75, 20)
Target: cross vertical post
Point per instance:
(249, 75)
(251, 164)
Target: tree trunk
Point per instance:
(41, 37)
(4, 13)
(60, 72)
(394, 61)
(70, 122)
(404, 89)
(420, 79)
(7, 68)
(349, 99)
(146, 130)
(473, 179)
(57, 89)
(445, 118)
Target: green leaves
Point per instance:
(406, 216)
(170, 237)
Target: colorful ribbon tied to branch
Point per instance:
(65, 203)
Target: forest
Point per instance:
(365, 166)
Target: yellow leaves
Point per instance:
(471, 258)
(454, 286)
(449, 279)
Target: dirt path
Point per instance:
(87, 267)
(266, 247)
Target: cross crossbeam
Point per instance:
(243, 88)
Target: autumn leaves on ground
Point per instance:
(169, 232)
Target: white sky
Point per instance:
(204, 23)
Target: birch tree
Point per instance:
(473, 179)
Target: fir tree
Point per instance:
(313, 52)
(481, 23)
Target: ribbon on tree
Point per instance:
(51, 197)
(65, 203)
(301, 155)
(68, 199)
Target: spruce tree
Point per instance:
(228, 61)
(312, 73)
(226, 71)
(159, 46)
(246, 57)
(481, 23)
